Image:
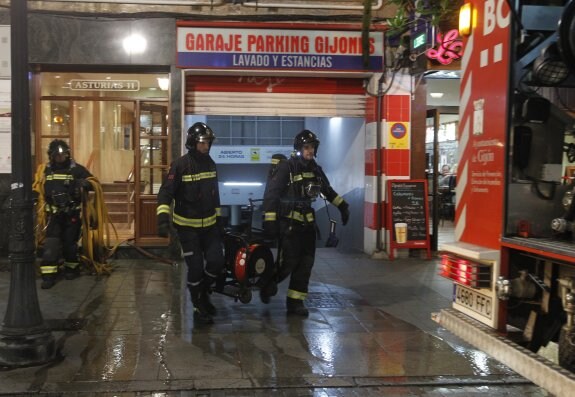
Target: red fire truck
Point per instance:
(513, 259)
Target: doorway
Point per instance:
(121, 139)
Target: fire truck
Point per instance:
(513, 259)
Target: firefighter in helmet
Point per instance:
(289, 215)
(61, 185)
(192, 186)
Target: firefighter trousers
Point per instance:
(199, 246)
(297, 255)
(62, 235)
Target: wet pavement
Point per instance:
(369, 333)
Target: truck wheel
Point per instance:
(567, 349)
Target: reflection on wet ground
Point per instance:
(369, 333)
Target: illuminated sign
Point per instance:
(419, 40)
(104, 85)
(449, 48)
(235, 48)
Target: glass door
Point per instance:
(152, 163)
(100, 135)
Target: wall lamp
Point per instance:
(466, 19)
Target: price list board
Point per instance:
(408, 215)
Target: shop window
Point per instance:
(255, 130)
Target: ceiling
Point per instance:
(448, 86)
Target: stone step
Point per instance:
(119, 206)
(116, 196)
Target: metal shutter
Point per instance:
(275, 96)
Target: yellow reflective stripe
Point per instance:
(296, 294)
(54, 209)
(218, 211)
(71, 265)
(49, 269)
(337, 201)
(275, 161)
(302, 176)
(298, 216)
(194, 222)
(163, 209)
(270, 216)
(59, 177)
(197, 177)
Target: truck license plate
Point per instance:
(473, 300)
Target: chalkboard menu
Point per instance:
(408, 220)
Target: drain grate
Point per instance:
(324, 300)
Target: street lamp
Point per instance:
(24, 338)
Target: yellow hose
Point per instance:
(41, 219)
(96, 228)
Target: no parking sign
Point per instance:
(398, 138)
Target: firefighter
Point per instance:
(61, 185)
(192, 185)
(288, 214)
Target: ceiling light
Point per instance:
(164, 83)
(135, 44)
(436, 94)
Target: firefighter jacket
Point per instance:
(192, 184)
(63, 186)
(292, 190)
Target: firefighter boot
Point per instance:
(205, 296)
(201, 313)
(296, 306)
(48, 281)
(71, 272)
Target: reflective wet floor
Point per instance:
(370, 333)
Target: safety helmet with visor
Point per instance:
(58, 146)
(199, 132)
(303, 138)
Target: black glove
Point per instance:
(84, 184)
(271, 229)
(163, 225)
(344, 212)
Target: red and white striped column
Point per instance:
(394, 155)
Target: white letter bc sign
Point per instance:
(493, 16)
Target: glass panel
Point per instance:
(113, 152)
(255, 130)
(55, 118)
(153, 152)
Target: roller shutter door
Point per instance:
(275, 96)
